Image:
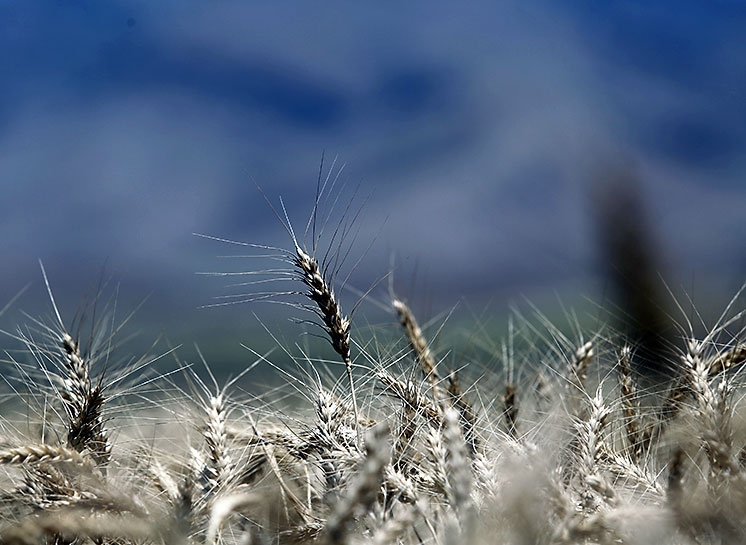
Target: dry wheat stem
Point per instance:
(510, 410)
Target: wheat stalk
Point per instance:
(510, 409)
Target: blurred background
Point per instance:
(481, 139)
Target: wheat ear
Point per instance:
(41, 453)
(458, 467)
(578, 375)
(711, 404)
(72, 525)
(363, 491)
(630, 410)
(337, 325)
(592, 446)
(83, 400)
(220, 464)
(419, 344)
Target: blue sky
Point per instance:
(473, 133)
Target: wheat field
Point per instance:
(568, 440)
